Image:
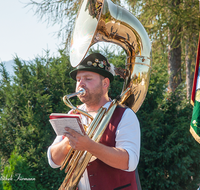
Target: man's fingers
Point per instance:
(71, 132)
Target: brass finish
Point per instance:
(103, 21)
(69, 104)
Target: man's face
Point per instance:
(92, 83)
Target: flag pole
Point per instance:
(195, 74)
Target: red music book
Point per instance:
(60, 120)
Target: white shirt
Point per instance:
(127, 137)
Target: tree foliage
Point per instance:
(169, 158)
(17, 174)
(173, 28)
(26, 102)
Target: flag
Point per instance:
(195, 100)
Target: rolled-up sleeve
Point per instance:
(51, 163)
(128, 137)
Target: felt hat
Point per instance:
(95, 63)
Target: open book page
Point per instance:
(60, 121)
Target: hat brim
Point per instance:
(102, 72)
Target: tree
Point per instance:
(170, 25)
(17, 174)
(35, 91)
(169, 157)
(174, 46)
(191, 40)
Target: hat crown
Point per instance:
(95, 62)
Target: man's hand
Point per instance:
(114, 157)
(78, 141)
(59, 151)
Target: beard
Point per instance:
(93, 96)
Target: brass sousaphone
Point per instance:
(103, 21)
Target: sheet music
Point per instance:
(60, 124)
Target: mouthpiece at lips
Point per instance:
(82, 91)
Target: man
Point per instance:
(119, 148)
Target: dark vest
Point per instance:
(103, 177)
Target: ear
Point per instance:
(106, 82)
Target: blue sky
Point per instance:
(23, 34)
